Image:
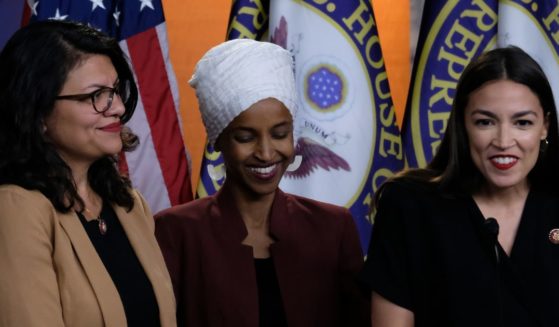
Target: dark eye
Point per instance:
(281, 132)
(243, 137)
(99, 94)
(102, 95)
(280, 135)
(524, 123)
(483, 122)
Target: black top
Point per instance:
(122, 264)
(433, 255)
(271, 311)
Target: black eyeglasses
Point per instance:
(102, 99)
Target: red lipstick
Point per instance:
(112, 128)
(504, 162)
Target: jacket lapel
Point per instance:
(284, 250)
(102, 284)
(230, 231)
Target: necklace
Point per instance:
(101, 223)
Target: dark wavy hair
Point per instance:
(452, 169)
(34, 66)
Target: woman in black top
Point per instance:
(472, 239)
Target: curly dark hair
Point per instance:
(34, 66)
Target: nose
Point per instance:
(504, 138)
(264, 149)
(117, 107)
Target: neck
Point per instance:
(506, 205)
(255, 215)
(92, 202)
(81, 181)
(503, 195)
(254, 209)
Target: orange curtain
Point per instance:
(196, 26)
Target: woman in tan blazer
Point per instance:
(76, 241)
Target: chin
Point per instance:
(506, 184)
(263, 190)
(112, 149)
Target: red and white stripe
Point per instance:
(159, 168)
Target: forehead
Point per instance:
(263, 114)
(92, 70)
(503, 96)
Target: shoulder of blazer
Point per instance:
(314, 207)
(26, 204)
(11, 191)
(187, 211)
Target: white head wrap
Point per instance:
(236, 74)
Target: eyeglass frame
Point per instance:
(91, 95)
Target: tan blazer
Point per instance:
(51, 275)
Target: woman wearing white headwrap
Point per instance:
(252, 255)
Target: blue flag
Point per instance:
(534, 27)
(452, 33)
(11, 14)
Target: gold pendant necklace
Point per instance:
(101, 223)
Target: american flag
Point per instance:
(159, 167)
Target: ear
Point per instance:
(43, 127)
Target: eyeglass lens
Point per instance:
(103, 99)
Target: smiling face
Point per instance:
(257, 147)
(505, 124)
(77, 131)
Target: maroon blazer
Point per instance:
(316, 254)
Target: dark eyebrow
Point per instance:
(524, 113)
(516, 115)
(284, 123)
(101, 86)
(243, 129)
